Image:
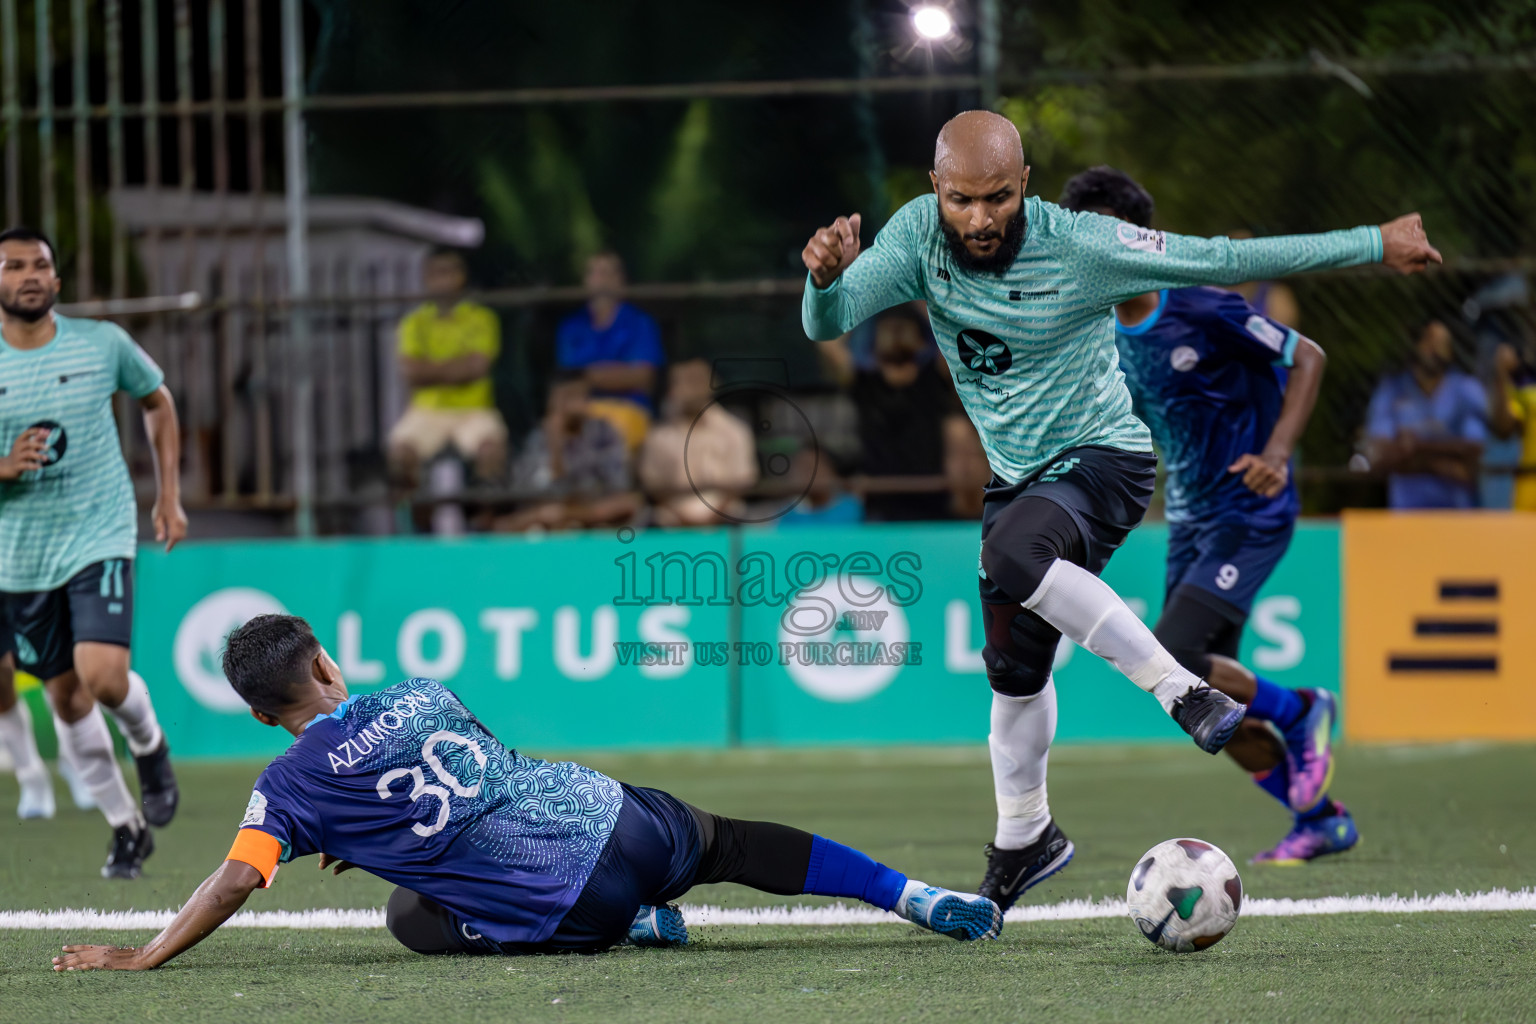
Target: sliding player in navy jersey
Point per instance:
(1226, 392)
(493, 851)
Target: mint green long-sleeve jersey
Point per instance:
(1032, 349)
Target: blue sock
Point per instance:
(1276, 782)
(1273, 703)
(1324, 809)
(837, 870)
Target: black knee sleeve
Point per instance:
(761, 854)
(1024, 540)
(1020, 650)
(422, 925)
(1195, 625)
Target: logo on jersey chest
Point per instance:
(1184, 358)
(983, 352)
(57, 441)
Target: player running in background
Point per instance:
(16, 736)
(69, 531)
(1226, 392)
(493, 851)
(1019, 293)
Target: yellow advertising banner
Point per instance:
(1439, 625)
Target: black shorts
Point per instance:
(7, 631)
(1105, 490)
(95, 606)
(651, 857)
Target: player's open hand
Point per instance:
(26, 453)
(831, 249)
(1404, 246)
(1265, 475)
(326, 860)
(99, 958)
(170, 523)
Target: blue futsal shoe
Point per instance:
(1309, 751)
(658, 926)
(1309, 840)
(960, 915)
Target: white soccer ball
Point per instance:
(1184, 895)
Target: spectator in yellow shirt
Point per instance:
(447, 347)
(1514, 412)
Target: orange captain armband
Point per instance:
(259, 850)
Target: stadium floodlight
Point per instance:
(932, 22)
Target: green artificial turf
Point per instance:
(1434, 819)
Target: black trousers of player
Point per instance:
(659, 849)
(1080, 509)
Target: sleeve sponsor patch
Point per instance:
(1266, 332)
(1141, 239)
(255, 811)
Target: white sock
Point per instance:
(1020, 742)
(135, 718)
(17, 738)
(1083, 607)
(88, 745)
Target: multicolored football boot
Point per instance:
(657, 926)
(1317, 837)
(960, 915)
(1309, 750)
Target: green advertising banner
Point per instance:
(676, 638)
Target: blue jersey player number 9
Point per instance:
(425, 788)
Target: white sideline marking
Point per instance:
(1068, 910)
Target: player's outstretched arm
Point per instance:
(164, 431)
(847, 284)
(1122, 261)
(214, 902)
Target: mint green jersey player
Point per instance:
(1032, 349)
(78, 508)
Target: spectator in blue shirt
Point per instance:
(1427, 425)
(616, 347)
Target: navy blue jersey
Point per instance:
(406, 783)
(1207, 374)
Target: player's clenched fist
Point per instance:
(831, 249)
(26, 454)
(1404, 246)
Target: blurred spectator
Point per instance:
(902, 404)
(446, 349)
(581, 458)
(698, 461)
(1272, 298)
(616, 347)
(965, 466)
(855, 350)
(1514, 415)
(827, 502)
(1427, 425)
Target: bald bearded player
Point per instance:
(1020, 293)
